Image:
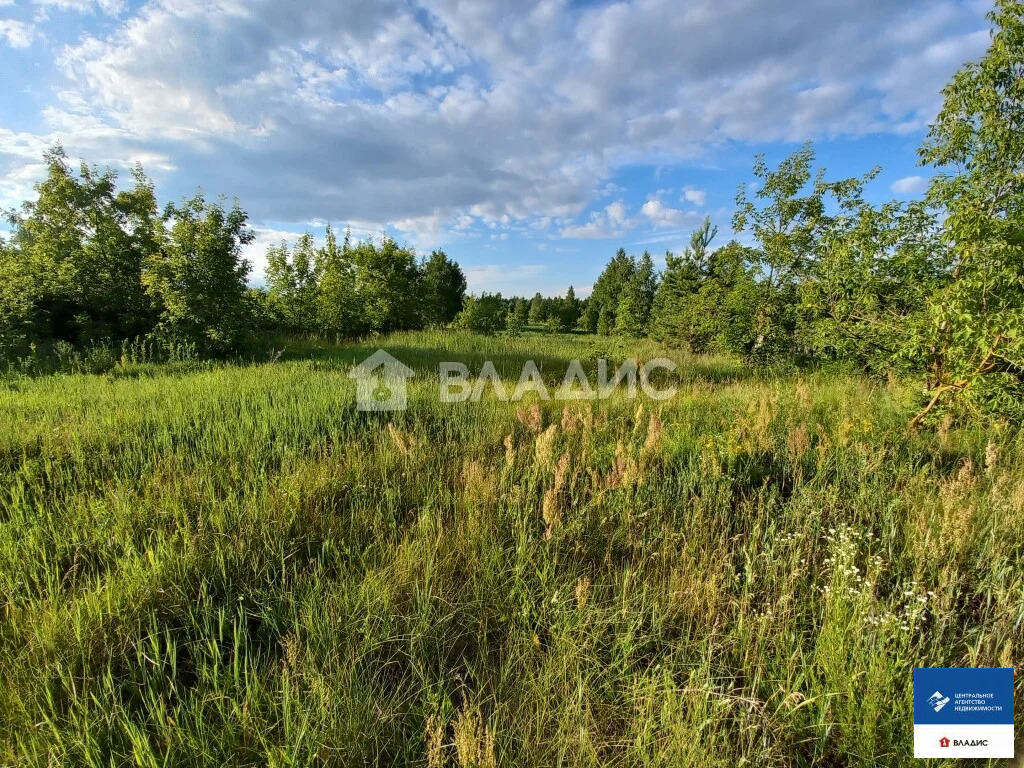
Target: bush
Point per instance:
(484, 314)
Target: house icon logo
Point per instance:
(943, 742)
(380, 383)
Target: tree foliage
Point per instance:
(444, 287)
(74, 263)
(198, 279)
(976, 336)
(485, 314)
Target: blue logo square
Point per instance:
(963, 696)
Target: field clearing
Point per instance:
(210, 564)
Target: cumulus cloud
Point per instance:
(696, 196)
(612, 221)
(661, 215)
(910, 185)
(415, 114)
(18, 34)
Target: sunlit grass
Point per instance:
(228, 564)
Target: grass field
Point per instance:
(229, 565)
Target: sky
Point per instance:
(529, 140)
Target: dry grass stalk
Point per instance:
(403, 443)
(531, 417)
(655, 431)
(474, 741)
(435, 741)
(545, 444)
(552, 508)
(582, 592)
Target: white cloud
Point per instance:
(660, 215)
(612, 221)
(696, 196)
(418, 114)
(910, 185)
(17, 33)
(256, 251)
(112, 7)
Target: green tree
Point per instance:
(633, 314)
(572, 310)
(521, 309)
(293, 283)
(81, 245)
(444, 287)
(607, 292)
(389, 285)
(789, 220)
(673, 315)
(606, 322)
(337, 303)
(484, 314)
(866, 298)
(563, 312)
(725, 312)
(515, 324)
(198, 279)
(538, 309)
(19, 298)
(976, 337)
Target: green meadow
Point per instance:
(227, 564)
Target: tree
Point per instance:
(521, 309)
(725, 312)
(606, 322)
(483, 314)
(607, 292)
(18, 304)
(293, 283)
(198, 279)
(789, 222)
(538, 309)
(571, 311)
(81, 245)
(514, 324)
(976, 335)
(633, 314)
(673, 318)
(866, 298)
(389, 286)
(444, 287)
(337, 304)
(563, 312)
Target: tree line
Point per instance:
(87, 263)
(932, 287)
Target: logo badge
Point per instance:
(381, 383)
(963, 713)
(938, 701)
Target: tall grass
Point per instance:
(230, 565)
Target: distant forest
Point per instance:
(931, 288)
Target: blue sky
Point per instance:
(530, 140)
